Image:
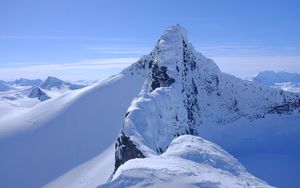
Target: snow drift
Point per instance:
(188, 162)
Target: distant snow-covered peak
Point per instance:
(4, 86)
(52, 82)
(27, 82)
(271, 77)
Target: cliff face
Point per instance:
(183, 90)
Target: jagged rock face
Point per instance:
(160, 77)
(185, 90)
(125, 150)
(39, 94)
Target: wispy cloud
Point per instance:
(117, 50)
(85, 69)
(16, 37)
(240, 60)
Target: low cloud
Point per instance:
(85, 69)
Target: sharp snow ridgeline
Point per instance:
(170, 98)
(184, 90)
(189, 161)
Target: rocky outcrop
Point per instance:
(160, 78)
(125, 150)
(39, 94)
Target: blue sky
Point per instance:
(91, 39)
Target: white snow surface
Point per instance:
(89, 174)
(68, 141)
(22, 93)
(44, 142)
(201, 94)
(189, 161)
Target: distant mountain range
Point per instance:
(282, 80)
(29, 92)
(49, 83)
(161, 122)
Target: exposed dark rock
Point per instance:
(39, 94)
(125, 150)
(286, 107)
(160, 78)
(235, 106)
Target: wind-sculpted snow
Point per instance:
(44, 142)
(185, 90)
(69, 140)
(189, 161)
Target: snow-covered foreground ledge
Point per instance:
(189, 161)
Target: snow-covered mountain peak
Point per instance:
(51, 82)
(184, 90)
(176, 30)
(271, 78)
(27, 82)
(172, 38)
(174, 51)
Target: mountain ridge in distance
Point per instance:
(159, 96)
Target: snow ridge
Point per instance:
(189, 161)
(185, 90)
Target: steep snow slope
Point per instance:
(89, 174)
(185, 91)
(188, 162)
(41, 143)
(181, 92)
